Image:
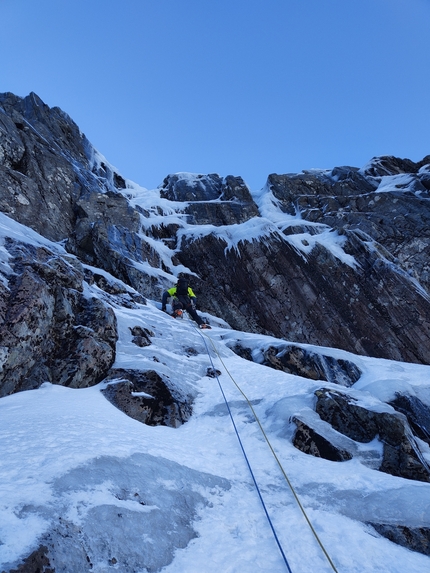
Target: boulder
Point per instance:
(414, 538)
(146, 397)
(401, 457)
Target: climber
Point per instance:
(183, 298)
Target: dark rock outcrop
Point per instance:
(414, 538)
(211, 199)
(401, 456)
(309, 441)
(417, 413)
(50, 331)
(36, 173)
(146, 397)
(52, 181)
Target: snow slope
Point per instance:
(66, 454)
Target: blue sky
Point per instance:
(231, 87)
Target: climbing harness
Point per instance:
(204, 335)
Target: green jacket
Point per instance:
(171, 292)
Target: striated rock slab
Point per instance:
(270, 286)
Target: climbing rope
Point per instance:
(247, 460)
(273, 453)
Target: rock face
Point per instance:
(48, 168)
(211, 199)
(317, 299)
(49, 330)
(37, 176)
(395, 214)
(357, 255)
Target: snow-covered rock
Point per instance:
(293, 435)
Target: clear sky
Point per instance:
(240, 87)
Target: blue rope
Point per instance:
(247, 461)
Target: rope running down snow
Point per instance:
(274, 455)
(246, 458)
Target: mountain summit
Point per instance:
(294, 435)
